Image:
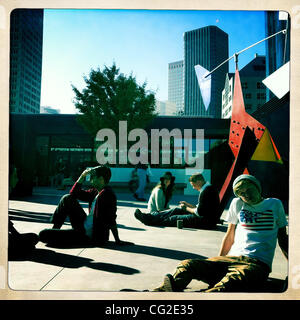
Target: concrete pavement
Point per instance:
(157, 250)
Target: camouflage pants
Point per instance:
(223, 273)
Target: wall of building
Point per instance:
(254, 91)
(26, 60)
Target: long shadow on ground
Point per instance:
(155, 251)
(46, 256)
(22, 215)
(139, 249)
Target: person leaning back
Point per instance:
(94, 227)
(247, 250)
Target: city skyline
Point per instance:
(76, 41)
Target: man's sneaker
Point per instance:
(138, 214)
(167, 286)
(143, 217)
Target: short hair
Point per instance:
(196, 177)
(243, 184)
(102, 171)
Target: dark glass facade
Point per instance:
(208, 47)
(26, 45)
(278, 47)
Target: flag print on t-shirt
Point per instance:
(257, 220)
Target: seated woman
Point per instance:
(161, 194)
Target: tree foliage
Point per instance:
(110, 97)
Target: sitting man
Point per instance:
(205, 215)
(93, 228)
(254, 225)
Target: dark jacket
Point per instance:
(105, 212)
(209, 205)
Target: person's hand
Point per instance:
(184, 203)
(124, 243)
(182, 206)
(85, 173)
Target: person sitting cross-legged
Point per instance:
(247, 250)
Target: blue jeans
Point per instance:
(169, 218)
(142, 174)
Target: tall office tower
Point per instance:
(208, 47)
(278, 47)
(26, 43)
(175, 84)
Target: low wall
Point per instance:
(182, 176)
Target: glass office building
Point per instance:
(278, 47)
(26, 45)
(208, 47)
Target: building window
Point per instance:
(259, 85)
(248, 96)
(261, 96)
(244, 85)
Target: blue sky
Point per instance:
(141, 42)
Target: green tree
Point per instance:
(110, 97)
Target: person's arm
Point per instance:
(188, 205)
(192, 210)
(83, 175)
(78, 193)
(283, 241)
(106, 213)
(228, 240)
(159, 199)
(115, 233)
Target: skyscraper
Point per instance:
(175, 84)
(278, 47)
(208, 47)
(26, 43)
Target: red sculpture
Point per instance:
(248, 140)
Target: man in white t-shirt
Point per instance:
(247, 250)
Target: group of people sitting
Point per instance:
(204, 215)
(247, 250)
